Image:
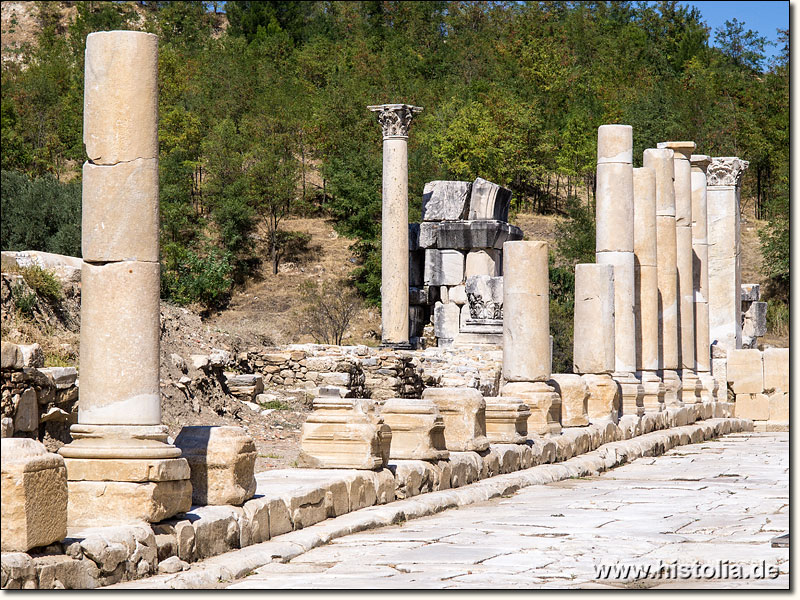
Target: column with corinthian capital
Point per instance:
(395, 119)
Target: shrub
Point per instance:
(330, 308)
(189, 276)
(777, 317)
(43, 282)
(24, 301)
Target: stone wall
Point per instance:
(759, 381)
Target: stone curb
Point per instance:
(240, 563)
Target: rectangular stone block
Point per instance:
(755, 320)
(458, 295)
(779, 407)
(746, 371)
(34, 496)
(752, 406)
(776, 369)
(417, 429)
(464, 413)
(544, 404)
(428, 234)
(483, 262)
(444, 267)
(489, 201)
(506, 420)
(445, 200)
(120, 103)
(446, 320)
(118, 469)
(465, 235)
(120, 211)
(574, 399)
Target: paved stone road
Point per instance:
(722, 500)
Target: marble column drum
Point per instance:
(614, 246)
(702, 359)
(120, 468)
(661, 161)
(724, 252)
(646, 288)
(690, 384)
(395, 120)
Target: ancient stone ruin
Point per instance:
(658, 356)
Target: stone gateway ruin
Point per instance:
(460, 390)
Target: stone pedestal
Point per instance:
(344, 433)
(395, 120)
(574, 395)
(222, 462)
(724, 176)
(34, 490)
(417, 429)
(543, 402)
(507, 420)
(119, 466)
(604, 398)
(673, 387)
(464, 413)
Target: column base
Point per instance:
(710, 387)
(691, 387)
(654, 392)
(413, 344)
(507, 420)
(118, 474)
(672, 388)
(604, 398)
(632, 393)
(544, 404)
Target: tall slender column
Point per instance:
(646, 299)
(614, 246)
(527, 363)
(395, 119)
(120, 467)
(661, 161)
(724, 274)
(690, 384)
(700, 163)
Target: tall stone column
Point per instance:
(724, 175)
(700, 163)
(527, 361)
(646, 294)
(119, 466)
(661, 161)
(614, 246)
(690, 384)
(395, 119)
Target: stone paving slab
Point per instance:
(713, 501)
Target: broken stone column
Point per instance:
(593, 352)
(344, 433)
(724, 175)
(690, 385)
(464, 413)
(34, 490)
(614, 246)
(646, 292)
(417, 429)
(710, 388)
(526, 334)
(395, 119)
(119, 466)
(661, 161)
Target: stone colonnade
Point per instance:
(395, 120)
(119, 466)
(614, 246)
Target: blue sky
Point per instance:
(761, 16)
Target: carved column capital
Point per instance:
(395, 119)
(726, 170)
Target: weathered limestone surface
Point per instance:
(120, 211)
(604, 398)
(222, 461)
(464, 413)
(526, 306)
(444, 267)
(506, 420)
(120, 105)
(776, 369)
(417, 429)
(646, 305)
(489, 201)
(574, 394)
(465, 235)
(746, 371)
(594, 319)
(34, 495)
(483, 262)
(344, 433)
(755, 407)
(624, 319)
(445, 200)
(446, 321)
(544, 404)
(700, 248)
